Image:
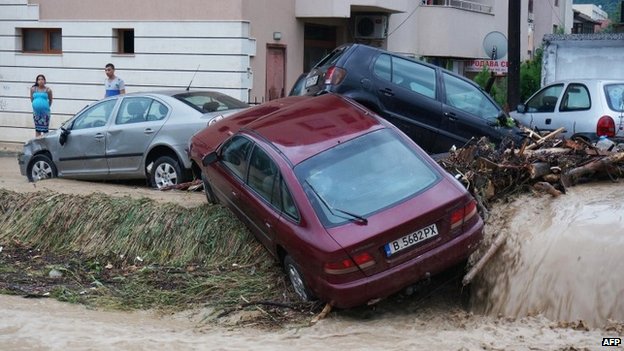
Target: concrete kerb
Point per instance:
(10, 149)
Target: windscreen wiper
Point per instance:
(332, 209)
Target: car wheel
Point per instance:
(166, 172)
(210, 195)
(296, 279)
(41, 167)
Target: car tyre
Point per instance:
(297, 280)
(166, 172)
(41, 167)
(210, 195)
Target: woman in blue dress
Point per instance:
(41, 98)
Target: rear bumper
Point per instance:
(400, 277)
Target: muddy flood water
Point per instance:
(555, 285)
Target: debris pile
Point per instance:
(546, 164)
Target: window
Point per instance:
(140, 109)
(125, 41)
(575, 98)
(615, 96)
(263, 174)
(410, 75)
(468, 98)
(545, 100)
(95, 116)
(414, 76)
(363, 176)
(288, 203)
(234, 155)
(42, 40)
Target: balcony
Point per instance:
(453, 31)
(477, 6)
(344, 8)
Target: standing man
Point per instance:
(113, 84)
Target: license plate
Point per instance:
(311, 81)
(410, 240)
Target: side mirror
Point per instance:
(521, 108)
(63, 136)
(209, 158)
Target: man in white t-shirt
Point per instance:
(113, 84)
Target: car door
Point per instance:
(573, 112)
(137, 122)
(540, 108)
(467, 113)
(246, 188)
(407, 91)
(84, 152)
(261, 202)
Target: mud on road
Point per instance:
(550, 287)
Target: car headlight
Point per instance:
(215, 120)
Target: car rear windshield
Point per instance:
(208, 101)
(615, 96)
(363, 176)
(331, 58)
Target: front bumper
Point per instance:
(23, 159)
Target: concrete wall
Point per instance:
(267, 17)
(167, 55)
(139, 9)
(582, 56)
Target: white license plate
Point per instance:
(311, 81)
(411, 239)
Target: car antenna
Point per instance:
(191, 82)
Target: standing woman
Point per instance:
(41, 97)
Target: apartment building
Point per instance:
(252, 50)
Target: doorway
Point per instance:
(275, 72)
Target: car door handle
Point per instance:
(451, 116)
(387, 92)
(234, 193)
(548, 120)
(267, 224)
(148, 131)
(99, 136)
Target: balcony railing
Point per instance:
(461, 4)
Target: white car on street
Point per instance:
(586, 108)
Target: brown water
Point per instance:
(563, 261)
(564, 258)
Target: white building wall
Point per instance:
(167, 56)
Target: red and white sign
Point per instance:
(497, 66)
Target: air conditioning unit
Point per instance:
(371, 26)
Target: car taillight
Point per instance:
(334, 75)
(605, 126)
(347, 265)
(463, 215)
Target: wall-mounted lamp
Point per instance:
(277, 35)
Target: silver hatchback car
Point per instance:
(133, 136)
(586, 108)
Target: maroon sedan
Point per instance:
(353, 208)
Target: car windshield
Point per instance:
(207, 101)
(615, 96)
(365, 175)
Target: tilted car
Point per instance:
(352, 207)
(133, 136)
(435, 107)
(586, 108)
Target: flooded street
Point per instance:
(555, 285)
(563, 258)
